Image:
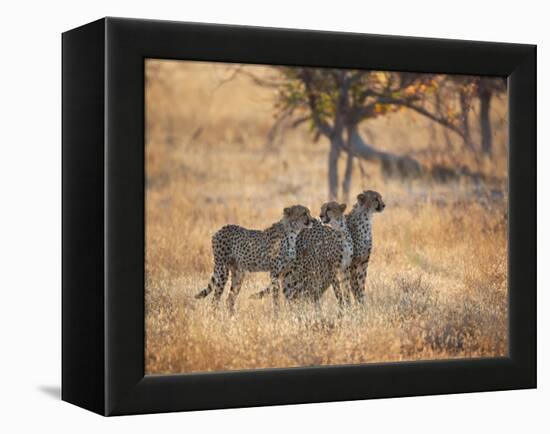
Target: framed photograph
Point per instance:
(257, 216)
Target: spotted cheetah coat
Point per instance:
(360, 225)
(239, 250)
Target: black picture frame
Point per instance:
(103, 216)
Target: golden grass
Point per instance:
(437, 284)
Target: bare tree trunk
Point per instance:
(485, 122)
(347, 177)
(447, 138)
(333, 156)
(465, 110)
(439, 110)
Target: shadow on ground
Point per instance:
(52, 391)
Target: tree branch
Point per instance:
(320, 124)
(431, 116)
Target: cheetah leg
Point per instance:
(346, 285)
(288, 292)
(358, 283)
(215, 280)
(274, 288)
(237, 277)
(221, 273)
(317, 305)
(290, 286)
(262, 294)
(338, 293)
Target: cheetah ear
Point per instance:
(342, 207)
(361, 197)
(287, 211)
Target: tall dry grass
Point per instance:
(437, 283)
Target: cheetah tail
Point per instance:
(206, 290)
(261, 294)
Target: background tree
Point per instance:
(473, 93)
(336, 102)
(484, 90)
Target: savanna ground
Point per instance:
(437, 283)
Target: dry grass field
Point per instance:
(437, 283)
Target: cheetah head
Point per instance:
(332, 213)
(297, 217)
(370, 201)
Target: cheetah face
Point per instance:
(298, 217)
(332, 212)
(371, 201)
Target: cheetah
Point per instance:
(323, 258)
(359, 222)
(242, 250)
